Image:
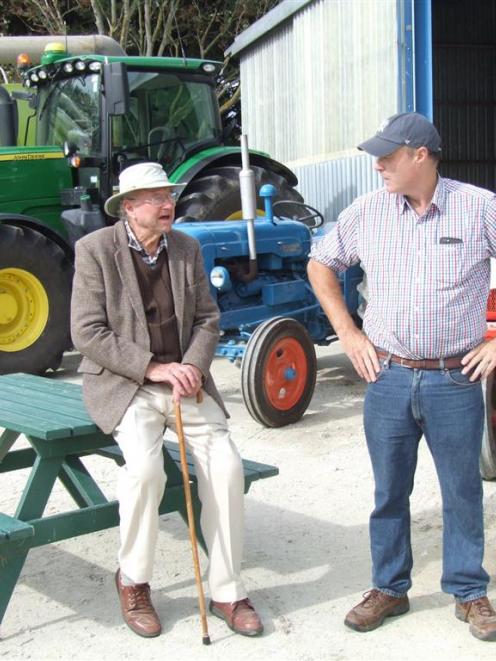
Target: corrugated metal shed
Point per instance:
(332, 185)
(265, 24)
(321, 81)
(316, 80)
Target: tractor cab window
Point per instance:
(69, 110)
(170, 116)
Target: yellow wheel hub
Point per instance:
(238, 215)
(23, 309)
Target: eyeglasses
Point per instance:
(158, 200)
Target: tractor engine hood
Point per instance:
(224, 240)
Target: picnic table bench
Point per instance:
(51, 415)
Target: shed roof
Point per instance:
(272, 19)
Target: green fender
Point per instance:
(190, 169)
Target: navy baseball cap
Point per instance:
(407, 129)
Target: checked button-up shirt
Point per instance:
(427, 276)
(151, 260)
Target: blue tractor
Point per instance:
(270, 317)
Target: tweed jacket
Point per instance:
(108, 322)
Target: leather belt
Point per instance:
(427, 364)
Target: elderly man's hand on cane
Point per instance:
(184, 379)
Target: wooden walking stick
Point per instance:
(191, 518)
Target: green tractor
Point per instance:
(92, 115)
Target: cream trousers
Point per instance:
(142, 481)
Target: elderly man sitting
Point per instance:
(144, 320)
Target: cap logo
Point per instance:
(383, 126)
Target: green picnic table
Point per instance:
(51, 415)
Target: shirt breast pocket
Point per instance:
(453, 264)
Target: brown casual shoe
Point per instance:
(373, 610)
(480, 615)
(240, 616)
(137, 608)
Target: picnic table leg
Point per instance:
(38, 487)
(31, 506)
(80, 484)
(10, 568)
(7, 440)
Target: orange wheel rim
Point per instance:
(286, 373)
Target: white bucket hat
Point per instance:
(139, 177)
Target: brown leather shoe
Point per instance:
(240, 616)
(373, 610)
(481, 616)
(137, 608)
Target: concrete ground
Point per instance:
(306, 554)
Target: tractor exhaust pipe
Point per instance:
(249, 208)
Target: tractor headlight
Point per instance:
(220, 279)
(209, 67)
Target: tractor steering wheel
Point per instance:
(295, 213)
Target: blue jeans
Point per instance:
(444, 406)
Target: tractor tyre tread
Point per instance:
(215, 194)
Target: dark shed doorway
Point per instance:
(464, 88)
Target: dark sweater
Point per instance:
(156, 292)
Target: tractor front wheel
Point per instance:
(35, 294)
(488, 453)
(278, 372)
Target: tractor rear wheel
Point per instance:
(278, 372)
(35, 294)
(488, 453)
(215, 194)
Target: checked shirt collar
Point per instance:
(133, 243)
(438, 200)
